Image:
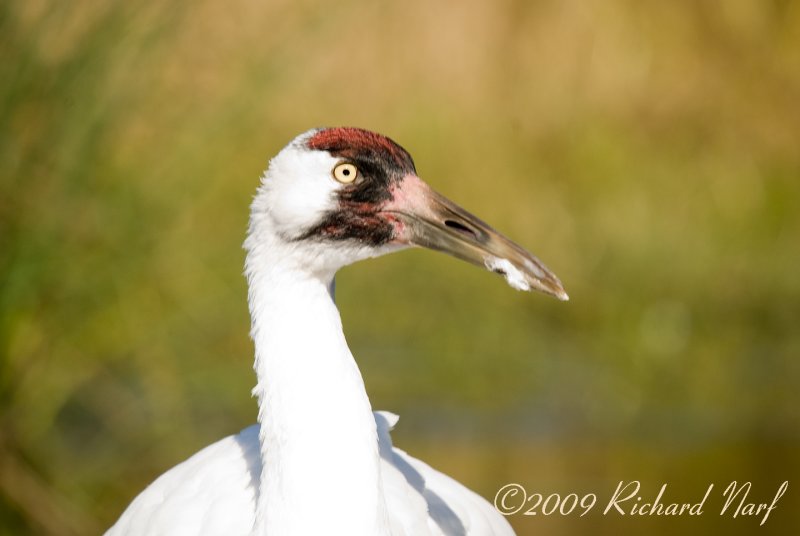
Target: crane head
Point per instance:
(344, 194)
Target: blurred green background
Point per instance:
(648, 152)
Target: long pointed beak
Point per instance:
(430, 220)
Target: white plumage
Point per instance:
(214, 493)
(320, 461)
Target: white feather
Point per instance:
(213, 494)
(514, 277)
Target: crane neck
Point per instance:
(318, 439)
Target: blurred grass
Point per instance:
(648, 152)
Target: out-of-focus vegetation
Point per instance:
(648, 152)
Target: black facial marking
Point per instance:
(344, 225)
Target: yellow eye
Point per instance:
(345, 173)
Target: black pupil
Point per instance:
(346, 172)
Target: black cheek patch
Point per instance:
(368, 229)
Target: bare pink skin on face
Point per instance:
(409, 196)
